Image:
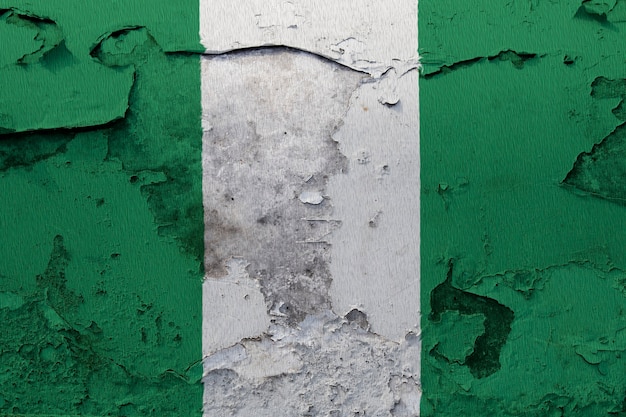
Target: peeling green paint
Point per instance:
(100, 271)
(522, 191)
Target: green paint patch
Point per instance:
(175, 198)
(38, 92)
(484, 358)
(516, 148)
(100, 279)
(24, 36)
(602, 171)
(459, 332)
(49, 79)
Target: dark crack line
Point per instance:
(518, 59)
(281, 48)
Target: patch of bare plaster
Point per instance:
(238, 292)
(328, 366)
(365, 35)
(375, 253)
(268, 117)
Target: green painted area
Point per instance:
(522, 206)
(102, 226)
(49, 80)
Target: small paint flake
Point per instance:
(311, 197)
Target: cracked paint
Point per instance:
(319, 196)
(102, 242)
(44, 64)
(521, 191)
(364, 41)
(260, 159)
(301, 199)
(122, 186)
(517, 59)
(298, 203)
(327, 366)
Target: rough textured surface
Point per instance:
(103, 250)
(269, 119)
(294, 163)
(365, 35)
(328, 367)
(521, 145)
(46, 86)
(101, 254)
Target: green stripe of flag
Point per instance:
(522, 208)
(101, 253)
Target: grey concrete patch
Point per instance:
(269, 116)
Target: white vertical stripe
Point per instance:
(375, 257)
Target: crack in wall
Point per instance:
(484, 359)
(326, 28)
(517, 59)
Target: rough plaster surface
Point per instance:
(311, 179)
(327, 367)
(269, 117)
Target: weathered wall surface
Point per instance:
(229, 208)
(209, 207)
(522, 212)
(311, 166)
(101, 221)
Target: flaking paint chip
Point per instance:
(311, 197)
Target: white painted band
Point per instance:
(274, 198)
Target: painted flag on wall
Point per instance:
(215, 208)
